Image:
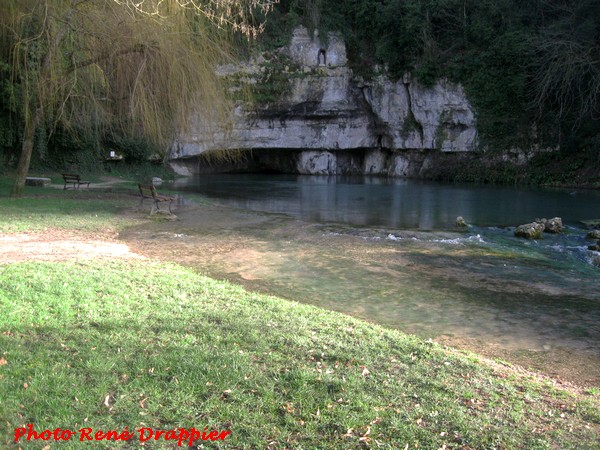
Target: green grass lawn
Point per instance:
(75, 213)
(47, 208)
(145, 344)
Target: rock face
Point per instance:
(532, 230)
(332, 121)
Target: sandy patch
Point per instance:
(60, 245)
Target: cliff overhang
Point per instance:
(312, 115)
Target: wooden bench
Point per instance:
(74, 179)
(149, 191)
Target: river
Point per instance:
(388, 251)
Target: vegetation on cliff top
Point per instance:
(531, 69)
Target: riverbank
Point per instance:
(550, 169)
(556, 169)
(84, 346)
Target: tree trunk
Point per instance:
(32, 124)
(26, 151)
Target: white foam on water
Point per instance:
(460, 241)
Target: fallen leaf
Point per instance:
(3, 362)
(226, 393)
(349, 433)
(289, 407)
(365, 371)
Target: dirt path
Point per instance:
(106, 183)
(61, 245)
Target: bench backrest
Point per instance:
(147, 190)
(71, 177)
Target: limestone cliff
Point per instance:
(320, 119)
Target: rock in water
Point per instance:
(460, 222)
(594, 234)
(532, 230)
(596, 247)
(554, 225)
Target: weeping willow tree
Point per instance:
(120, 65)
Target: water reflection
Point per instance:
(396, 203)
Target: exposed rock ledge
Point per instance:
(323, 111)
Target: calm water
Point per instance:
(388, 251)
(404, 204)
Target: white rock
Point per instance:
(328, 110)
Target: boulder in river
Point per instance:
(594, 234)
(531, 230)
(596, 247)
(554, 225)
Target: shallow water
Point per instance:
(388, 252)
